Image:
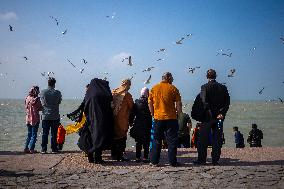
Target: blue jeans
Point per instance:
(32, 136)
(169, 129)
(46, 125)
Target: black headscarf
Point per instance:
(99, 114)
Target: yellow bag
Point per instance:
(72, 128)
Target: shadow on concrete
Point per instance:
(5, 173)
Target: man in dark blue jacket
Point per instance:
(216, 100)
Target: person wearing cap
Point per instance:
(141, 128)
(50, 99)
(165, 106)
(255, 136)
(122, 107)
(216, 100)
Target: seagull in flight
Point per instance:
(129, 61)
(179, 42)
(64, 32)
(148, 80)
(160, 59)
(49, 73)
(11, 28)
(161, 50)
(225, 54)
(126, 58)
(71, 63)
(43, 74)
(132, 76)
(26, 58)
(84, 61)
(112, 16)
(81, 70)
(261, 90)
(148, 69)
(282, 39)
(232, 71)
(192, 69)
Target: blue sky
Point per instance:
(250, 29)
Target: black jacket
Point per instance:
(215, 98)
(142, 123)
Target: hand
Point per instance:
(220, 116)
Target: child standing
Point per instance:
(239, 138)
(32, 106)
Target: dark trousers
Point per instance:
(203, 141)
(118, 148)
(169, 129)
(184, 141)
(46, 126)
(139, 149)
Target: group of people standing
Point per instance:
(48, 102)
(152, 118)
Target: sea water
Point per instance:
(269, 116)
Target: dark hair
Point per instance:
(211, 74)
(235, 128)
(254, 126)
(51, 81)
(167, 76)
(88, 85)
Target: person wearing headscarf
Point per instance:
(122, 107)
(141, 128)
(32, 106)
(99, 115)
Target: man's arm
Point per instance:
(151, 107)
(179, 107)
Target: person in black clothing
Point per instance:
(97, 134)
(141, 129)
(239, 138)
(255, 136)
(185, 126)
(215, 100)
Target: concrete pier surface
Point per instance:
(239, 168)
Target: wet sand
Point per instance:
(239, 168)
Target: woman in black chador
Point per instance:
(97, 134)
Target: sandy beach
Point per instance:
(240, 168)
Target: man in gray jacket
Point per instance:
(50, 99)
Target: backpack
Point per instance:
(198, 111)
(61, 134)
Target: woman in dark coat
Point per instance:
(141, 130)
(100, 123)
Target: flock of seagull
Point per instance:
(180, 41)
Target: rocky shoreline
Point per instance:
(240, 168)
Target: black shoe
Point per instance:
(215, 163)
(176, 164)
(199, 163)
(100, 161)
(91, 158)
(122, 159)
(146, 161)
